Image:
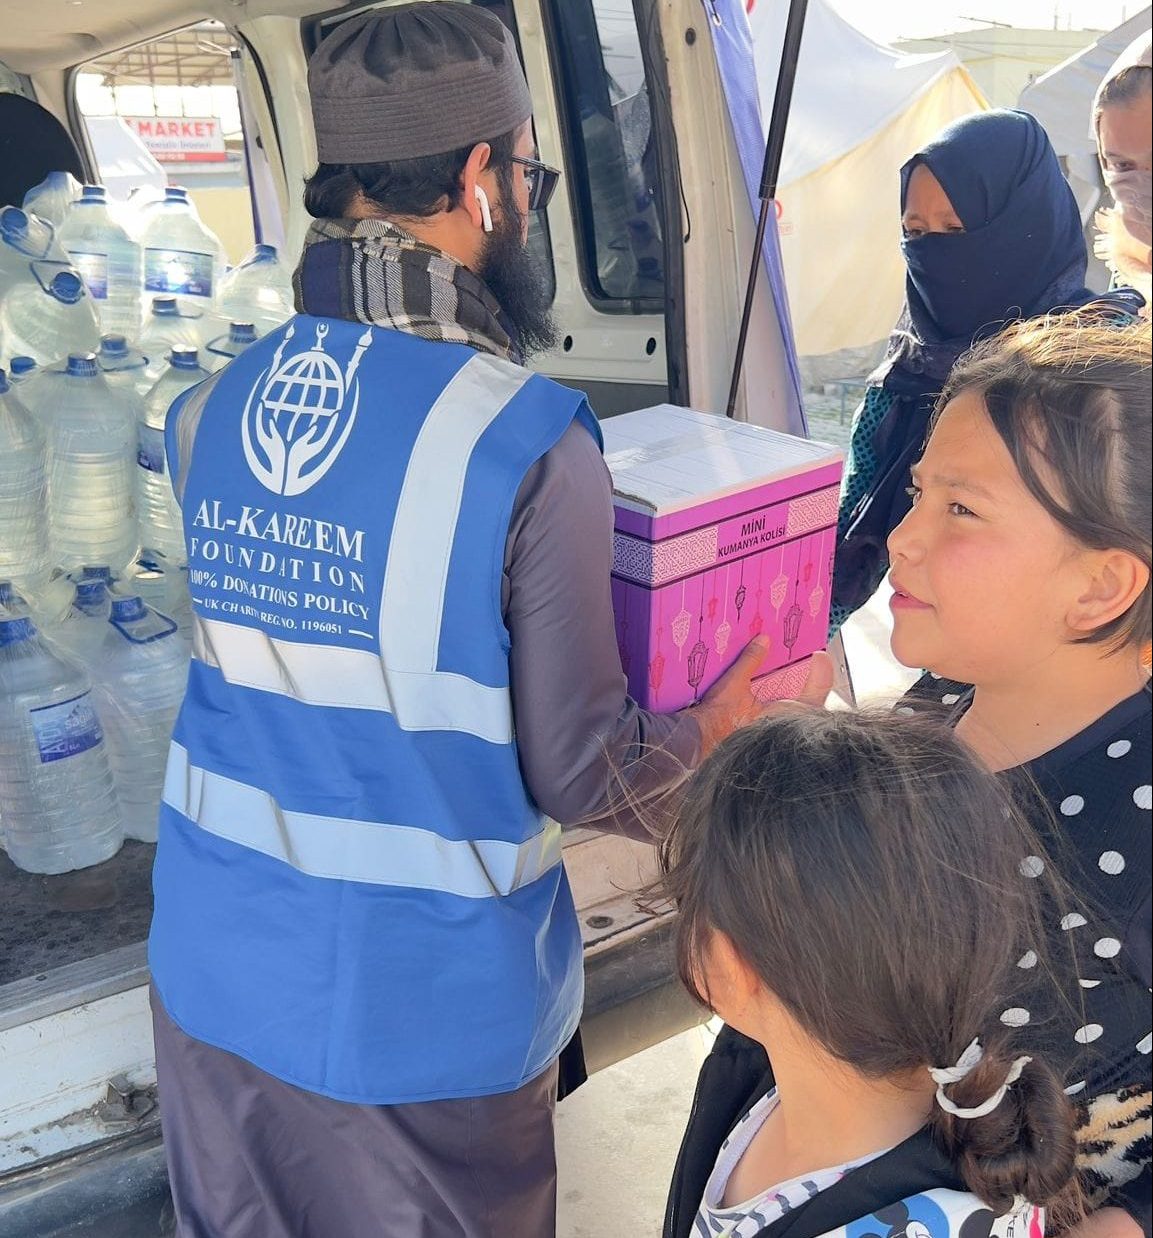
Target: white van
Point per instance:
(649, 238)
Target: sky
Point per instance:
(885, 20)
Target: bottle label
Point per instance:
(93, 270)
(150, 448)
(67, 729)
(178, 270)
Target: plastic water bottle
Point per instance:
(25, 382)
(31, 382)
(259, 291)
(82, 630)
(163, 585)
(171, 324)
(45, 310)
(181, 255)
(161, 526)
(23, 482)
(137, 210)
(52, 197)
(60, 809)
(91, 466)
(121, 364)
(142, 669)
(12, 601)
(224, 348)
(107, 258)
(53, 604)
(28, 379)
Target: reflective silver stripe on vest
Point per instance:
(352, 679)
(419, 551)
(348, 850)
(187, 423)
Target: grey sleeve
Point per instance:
(589, 754)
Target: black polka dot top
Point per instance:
(1095, 823)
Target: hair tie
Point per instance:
(943, 1076)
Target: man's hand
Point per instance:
(730, 703)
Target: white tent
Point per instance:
(859, 111)
(1062, 100)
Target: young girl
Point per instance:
(850, 900)
(1021, 581)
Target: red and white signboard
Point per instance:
(180, 139)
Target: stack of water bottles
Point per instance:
(107, 315)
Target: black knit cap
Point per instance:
(419, 79)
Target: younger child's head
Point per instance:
(1030, 533)
(859, 877)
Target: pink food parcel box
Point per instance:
(723, 531)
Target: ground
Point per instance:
(830, 416)
(617, 1140)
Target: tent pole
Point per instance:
(770, 170)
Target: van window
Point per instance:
(167, 112)
(614, 180)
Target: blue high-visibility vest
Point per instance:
(354, 889)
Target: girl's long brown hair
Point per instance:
(870, 873)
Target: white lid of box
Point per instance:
(664, 459)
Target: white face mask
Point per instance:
(1132, 191)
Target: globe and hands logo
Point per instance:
(296, 429)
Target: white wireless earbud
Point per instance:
(485, 213)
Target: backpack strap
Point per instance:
(734, 1076)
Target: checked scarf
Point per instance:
(371, 271)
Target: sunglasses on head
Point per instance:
(541, 179)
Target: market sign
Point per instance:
(180, 139)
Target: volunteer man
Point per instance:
(365, 954)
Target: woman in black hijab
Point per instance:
(991, 234)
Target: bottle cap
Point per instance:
(82, 365)
(19, 366)
(114, 345)
(14, 222)
(165, 307)
(4, 388)
(264, 253)
(127, 609)
(242, 332)
(91, 593)
(93, 193)
(98, 570)
(67, 287)
(14, 630)
(175, 193)
(183, 358)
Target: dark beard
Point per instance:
(514, 276)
